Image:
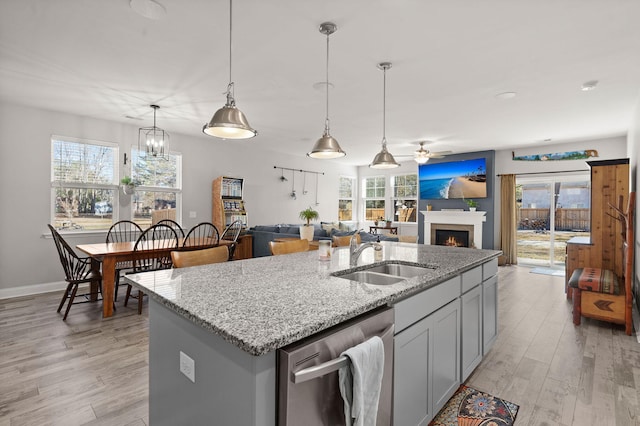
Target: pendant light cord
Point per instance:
(384, 107)
(230, 87)
(326, 122)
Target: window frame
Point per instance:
(353, 198)
(57, 184)
(176, 189)
(395, 198)
(378, 197)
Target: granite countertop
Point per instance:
(265, 303)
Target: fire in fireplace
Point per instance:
(453, 238)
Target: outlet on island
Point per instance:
(188, 366)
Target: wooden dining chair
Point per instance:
(122, 231)
(175, 225)
(231, 233)
(183, 259)
(159, 237)
(286, 247)
(202, 235)
(343, 241)
(77, 270)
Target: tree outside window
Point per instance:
(405, 197)
(346, 198)
(374, 193)
(83, 183)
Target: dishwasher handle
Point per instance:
(329, 366)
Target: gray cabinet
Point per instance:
(472, 351)
(489, 313)
(412, 402)
(446, 353)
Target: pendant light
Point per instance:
(384, 159)
(327, 147)
(153, 141)
(229, 122)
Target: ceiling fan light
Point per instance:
(326, 148)
(421, 158)
(229, 123)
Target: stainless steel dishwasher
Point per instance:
(308, 391)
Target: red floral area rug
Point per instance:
(470, 407)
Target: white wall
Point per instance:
(28, 261)
(608, 149)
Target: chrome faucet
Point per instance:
(355, 250)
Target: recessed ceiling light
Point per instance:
(506, 95)
(589, 85)
(148, 8)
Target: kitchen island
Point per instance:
(221, 324)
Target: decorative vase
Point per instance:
(306, 232)
(128, 189)
(472, 209)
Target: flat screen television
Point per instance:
(453, 179)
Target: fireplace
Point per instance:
(454, 220)
(449, 237)
(445, 234)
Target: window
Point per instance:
(405, 197)
(346, 198)
(158, 188)
(374, 188)
(84, 184)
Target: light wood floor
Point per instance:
(94, 371)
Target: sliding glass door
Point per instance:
(550, 211)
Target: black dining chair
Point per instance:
(203, 235)
(122, 231)
(158, 237)
(77, 270)
(175, 225)
(231, 233)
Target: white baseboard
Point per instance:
(28, 290)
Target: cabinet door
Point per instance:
(489, 313)
(411, 376)
(445, 347)
(471, 331)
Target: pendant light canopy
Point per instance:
(153, 141)
(327, 146)
(229, 122)
(384, 159)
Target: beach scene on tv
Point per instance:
(453, 179)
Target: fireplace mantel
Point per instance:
(454, 217)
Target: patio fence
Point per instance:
(566, 219)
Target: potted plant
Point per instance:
(388, 223)
(306, 230)
(472, 204)
(127, 185)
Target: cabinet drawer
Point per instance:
(489, 269)
(471, 278)
(411, 310)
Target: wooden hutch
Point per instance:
(609, 186)
(227, 207)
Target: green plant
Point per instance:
(309, 214)
(471, 203)
(126, 180)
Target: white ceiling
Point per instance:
(450, 58)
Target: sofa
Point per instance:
(263, 234)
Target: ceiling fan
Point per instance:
(422, 155)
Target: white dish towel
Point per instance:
(360, 382)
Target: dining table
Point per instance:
(109, 254)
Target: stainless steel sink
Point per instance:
(375, 278)
(400, 270)
(385, 274)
